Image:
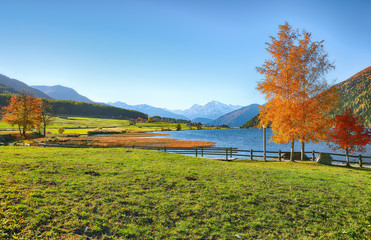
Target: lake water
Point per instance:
(247, 139)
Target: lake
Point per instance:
(247, 139)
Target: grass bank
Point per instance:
(123, 193)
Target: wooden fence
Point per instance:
(230, 154)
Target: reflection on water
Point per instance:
(248, 139)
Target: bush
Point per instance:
(61, 130)
(178, 127)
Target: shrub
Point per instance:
(61, 130)
(178, 127)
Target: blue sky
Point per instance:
(172, 53)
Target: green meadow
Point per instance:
(81, 125)
(116, 193)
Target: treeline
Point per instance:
(168, 120)
(253, 123)
(83, 109)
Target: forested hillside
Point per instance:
(72, 108)
(355, 94)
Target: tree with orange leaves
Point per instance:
(24, 111)
(349, 134)
(293, 86)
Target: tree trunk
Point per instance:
(302, 150)
(347, 156)
(44, 130)
(292, 151)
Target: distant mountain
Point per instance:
(20, 87)
(62, 93)
(212, 110)
(206, 121)
(151, 111)
(355, 94)
(238, 117)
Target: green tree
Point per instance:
(47, 116)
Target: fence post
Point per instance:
(313, 159)
(231, 152)
(226, 154)
(265, 143)
(196, 152)
(202, 151)
(251, 155)
(165, 148)
(279, 155)
(360, 160)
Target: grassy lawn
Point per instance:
(124, 193)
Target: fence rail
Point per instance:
(230, 154)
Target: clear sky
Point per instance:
(170, 53)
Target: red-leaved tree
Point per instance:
(349, 134)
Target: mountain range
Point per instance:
(147, 109)
(62, 93)
(212, 113)
(16, 86)
(211, 110)
(238, 117)
(206, 114)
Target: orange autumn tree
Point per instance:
(293, 86)
(349, 134)
(23, 111)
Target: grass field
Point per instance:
(80, 124)
(124, 193)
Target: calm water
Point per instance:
(248, 139)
